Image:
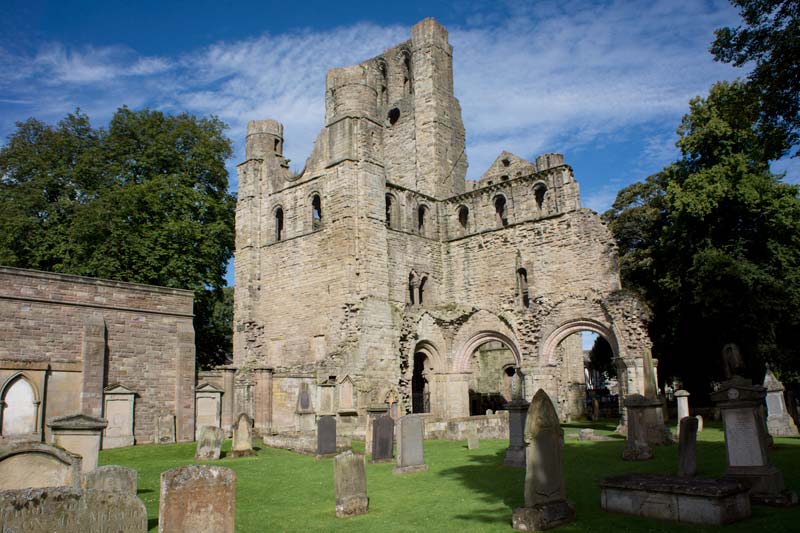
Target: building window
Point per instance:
(279, 224)
(422, 215)
(412, 287)
(500, 210)
(421, 290)
(522, 284)
(463, 218)
(390, 212)
(539, 190)
(316, 211)
(19, 408)
(393, 115)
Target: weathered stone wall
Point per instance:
(71, 336)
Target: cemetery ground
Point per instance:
(464, 490)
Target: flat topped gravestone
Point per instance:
(637, 447)
(546, 506)
(197, 498)
(779, 423)
(112, 478)
(517, 414)
(209, 445)
(35, 464)
(71, 510)
(382, 438)
(410, 449)
(473, 442)
(326, 435)
(350, 479)
(687, 447)
(165, 429)
(80, 434)
(242, 445)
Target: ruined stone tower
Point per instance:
(369, 280)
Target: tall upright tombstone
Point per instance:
(682, 399)
(326, 435)
(165, 429)
(209, 444)
(410, 445)
(779, 423)
(546, 505)
(242, 445)
(197, 498)
(637, 447)
(382, 439)
(517, 414)
(687, 447)
(350, 479)
(746, 441)
(80, 434)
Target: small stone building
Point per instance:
(370, 279)
(72, 344)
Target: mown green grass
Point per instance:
(464, 490)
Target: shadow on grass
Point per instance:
(152, 523)
(605, 424)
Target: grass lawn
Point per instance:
(464, 490)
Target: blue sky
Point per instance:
(604, 82)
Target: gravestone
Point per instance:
(114, 478)
(80, 434)
(699, 423)
(546, 506)
(637, 448)
(383, 439)
(473, 442)
(489, 412)
(586, 434)
(326, 435)
(208, 407)
(119, 408)
(515, 453)
(410, 449)
(197, 498)
(374, 412)
(746, 442)
(71, 510)
(350, 479)
(682, 399)
(35, 464)
(242, 445)
(209, 446)
(779, 423)
(165, 429)
(687, 447)
(305, 409)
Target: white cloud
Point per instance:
(531, 77)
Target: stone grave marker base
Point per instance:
(680, 499)
(542, 517)
(766, 485)
(410, 469)
(515, 457)
(352, 506)
(241, 453)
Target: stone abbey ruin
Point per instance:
(368, 281)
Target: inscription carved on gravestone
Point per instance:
(209, 446)
(113, 478)
(165, 429)
(410, 445)
(326, 435)
(383, 438)
(119, 409)
(35, 464)
(350, 479)
(197, 498)
(546, 506)
(779, 423)
(242, 445)
(71, 510)
(687, 447)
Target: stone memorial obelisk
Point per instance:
(517, 414)
(546, 505)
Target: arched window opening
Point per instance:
(407, 84)
(383, 95)
(390, 217)
(393, 115)
(421, 289)
(504, 177)
(422, 214)
(506, 162)
(412, 287)
(500, 211)
(277, 145)
(522, 283)
(539, 191)
(316, 211)
(19, 409)
(463, 217)
(279, 224)
(420, 390)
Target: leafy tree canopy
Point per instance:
(769, 41)
(713, 243)
(144, 201)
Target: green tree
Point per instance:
(769, 41)
(602, 357)
(144, 201)
(713, 243)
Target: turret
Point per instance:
(264, 138)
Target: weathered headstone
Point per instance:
(165, 429)
(473, 442)
(779, 423)
(410, 445)
(586, 434)
(489, 412)
(350, 479)
(119, 409)
(699, 423)
(515, 453)
(80, 434)
(242, 445)
(209, 445)
(197, 498)
(687, 447)
(374, 412)
(35, 464)
(637, 448)
(746, 442)
(382, 438)
(682, 399)
(208, 407)
(326, 435)
(305, 409)
(114, 478)
(546, 506)
(71, 510)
